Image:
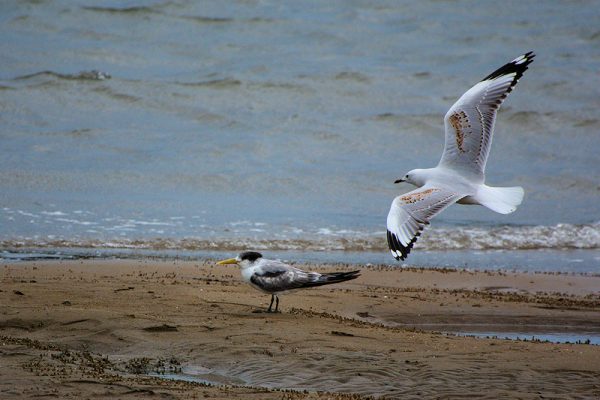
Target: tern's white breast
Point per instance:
(247, 273)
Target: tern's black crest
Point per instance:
(250, 256)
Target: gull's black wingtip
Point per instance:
(518, 66)
(398, 250)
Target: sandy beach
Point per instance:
(127, 328)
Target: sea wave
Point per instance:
(556, 237)
(92, 75)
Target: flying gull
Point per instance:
(460, 175)
(275, 277)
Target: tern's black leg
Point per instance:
(271, 305)
(277, 303)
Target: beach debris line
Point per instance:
(146, 365)
(161, 328)
(124, 289)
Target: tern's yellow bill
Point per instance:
(228, 261)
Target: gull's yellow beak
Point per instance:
(228, 261)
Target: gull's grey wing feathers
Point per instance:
(469, 123)
(410, 213)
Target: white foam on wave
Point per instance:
(27, 214)
(55, 213)
(246, 223)
(346, 232)
(150, 223)
(560, 236)
(75, 221)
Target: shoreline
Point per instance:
(573, 261)
(99, 327)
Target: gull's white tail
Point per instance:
(503, 200)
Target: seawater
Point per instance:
(281, 125)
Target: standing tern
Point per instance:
(275, 277)
(460, 175)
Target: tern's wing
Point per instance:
(410, 213)
(274, 276)
(469, 123)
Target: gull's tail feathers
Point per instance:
(503, 200)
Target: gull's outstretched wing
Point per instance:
(469, 123)
(275, 276)
(410, 213)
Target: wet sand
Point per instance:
(101, 328)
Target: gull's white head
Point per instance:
(244, 259)
(416, 177)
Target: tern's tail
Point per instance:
(503, 200)
(333, 277)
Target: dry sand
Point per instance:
(98, 328)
